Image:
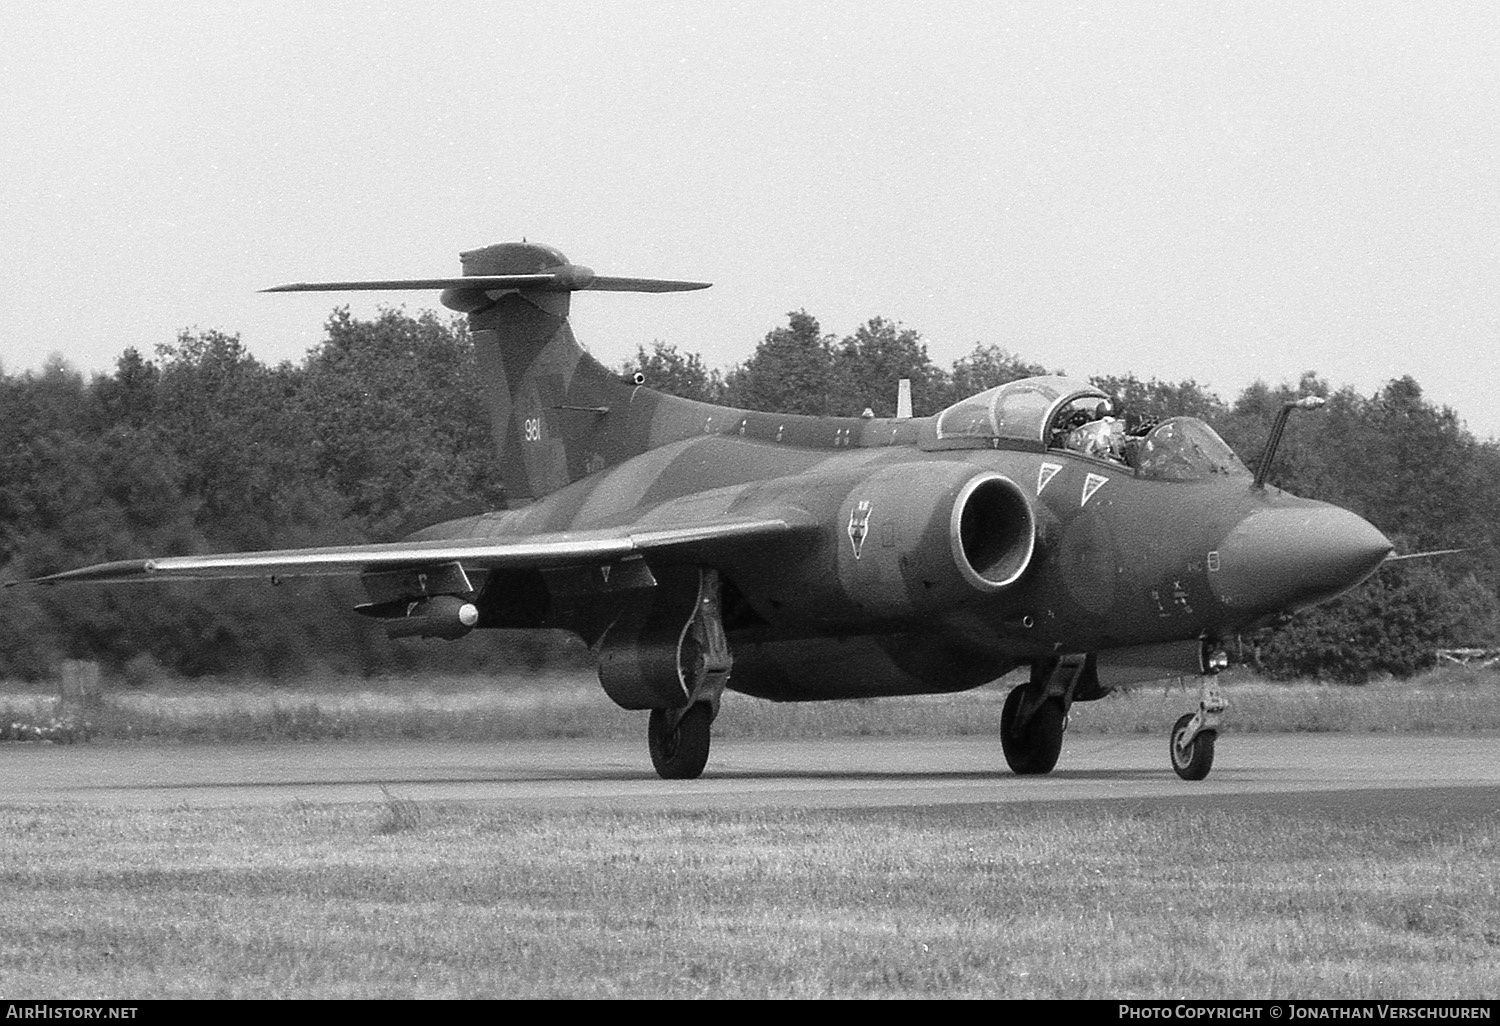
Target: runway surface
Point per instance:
(1384, 770)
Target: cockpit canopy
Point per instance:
(1016, 415)
(1186, 449)
(1037, 414)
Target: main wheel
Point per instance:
(681, 752)
(1195, 760)
(1036, 748)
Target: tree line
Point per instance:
(381, 429)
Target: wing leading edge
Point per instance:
(561, 548)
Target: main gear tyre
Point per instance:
(680, 752)
(1034, 749)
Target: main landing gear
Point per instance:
(679, 738)
(1036, 714)
(667, 652)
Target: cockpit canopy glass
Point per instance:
(1060, 413)
(1186, 449)
(1018, 414)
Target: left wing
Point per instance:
(556, 549)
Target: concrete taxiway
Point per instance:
(745, 774)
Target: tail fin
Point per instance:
(547, 398)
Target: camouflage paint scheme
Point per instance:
(809, 617)
(844, 557)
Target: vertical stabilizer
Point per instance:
(527, 360)
(555, 411)
(550, 403)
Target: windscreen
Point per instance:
(1186, 449)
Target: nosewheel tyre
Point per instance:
(1194, 760)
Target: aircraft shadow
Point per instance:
(918, 775)
(624, 775)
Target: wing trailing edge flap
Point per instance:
(539, 551)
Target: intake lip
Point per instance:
(992, 532)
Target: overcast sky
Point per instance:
(1224, 192)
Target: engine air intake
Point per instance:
(994, 532)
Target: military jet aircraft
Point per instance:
(699, 549)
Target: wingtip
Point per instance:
(99, 573)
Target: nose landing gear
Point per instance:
(1192, 749)
(1193, 735)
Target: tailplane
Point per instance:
(549, 401)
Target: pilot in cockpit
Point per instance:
(1098, 434)
(1103, 430)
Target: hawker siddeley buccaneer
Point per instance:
(699, 549)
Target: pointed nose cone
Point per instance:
(1278, 560)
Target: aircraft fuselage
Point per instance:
(867, 603)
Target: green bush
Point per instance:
(1390, 625)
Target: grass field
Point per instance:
(1452, 700)
(401, 900)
